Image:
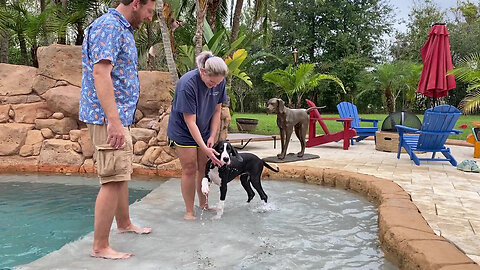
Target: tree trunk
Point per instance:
(23, 49)
(167, 45)
(3, 39)
(390, 100)
(79, 38)
(62, 39)
(201, 11)
(33, 53)
(236, 20)
(212, 10)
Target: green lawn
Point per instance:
(267, 123)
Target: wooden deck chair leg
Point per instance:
(360, 138)
(412, 154)
(450, 158)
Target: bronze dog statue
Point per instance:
(287, 119)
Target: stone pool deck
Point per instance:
(447, 198)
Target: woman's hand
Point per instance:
(210, 152)
(210, 142)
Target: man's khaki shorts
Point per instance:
(113, 165)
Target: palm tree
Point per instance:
(27, 27)
(201, 11)
(298, 80)
(236, 19)
(3, 38)
(167, 42)
(75, 14)
(468, 70)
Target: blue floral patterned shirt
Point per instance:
(110, 37)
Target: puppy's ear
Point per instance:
(235, 154)
(280, 106)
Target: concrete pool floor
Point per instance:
(447, 198)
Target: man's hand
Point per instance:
(115, 134)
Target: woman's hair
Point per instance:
(213, 65)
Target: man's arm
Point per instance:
(105, 93)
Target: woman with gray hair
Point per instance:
(194, 121)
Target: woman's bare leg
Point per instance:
(201, 163)
(188, 160)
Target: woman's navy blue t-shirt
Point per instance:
(192, 96)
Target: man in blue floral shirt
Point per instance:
(109, 96)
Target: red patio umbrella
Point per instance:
(437, 60)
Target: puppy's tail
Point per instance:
(315, 108)
(270, 167)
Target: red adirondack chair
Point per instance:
(313, 139)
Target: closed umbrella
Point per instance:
(437, 61)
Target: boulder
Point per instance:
(86, 143)
(64, 99)
(27, 113)
(60, 152)
(146, 122)
(4, 113)
(41, 84)
(155, 89)
(140, 147)
(162, 131)
(62, 126)
(61, 62)
(16, 80)
(12, 137)
(151, 155)
(142, 134)
(47, 133)
(20, 99)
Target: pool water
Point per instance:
(38, 218)
(303, 227)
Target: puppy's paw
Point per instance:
(205, 186)
(220, 207)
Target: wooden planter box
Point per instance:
(387, 142)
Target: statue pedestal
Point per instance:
(291, 157)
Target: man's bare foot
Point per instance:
(134, 229)
(110, 254)
(189, 216)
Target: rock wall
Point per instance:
(39, 122)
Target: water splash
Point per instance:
(264, 207)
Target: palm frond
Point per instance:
(471, 103)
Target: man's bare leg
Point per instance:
(105, 207)
(122, 215)
(188, 160)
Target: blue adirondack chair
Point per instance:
(437, 124)
(348, 110)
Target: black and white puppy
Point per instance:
(247, 165)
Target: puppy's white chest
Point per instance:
(214, 176)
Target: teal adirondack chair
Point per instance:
(348, 110)
(437, 124)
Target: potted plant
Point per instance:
(246, 124)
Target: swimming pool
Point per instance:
(304, 227)
(38, 214)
